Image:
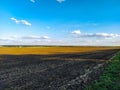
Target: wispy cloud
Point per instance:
(6, 39)
(60, 1)
(77, 34)
(25, 40)
(33, 1)
(24, 22)
(15, 20)
(45, 40)
(30, 37)
(44, 37)
(100, 35)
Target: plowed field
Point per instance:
(72, 71)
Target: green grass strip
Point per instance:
(110, 80)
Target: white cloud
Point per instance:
(24, 22)
(44, 37)
(33, 1)
(6, 39)
(30, 37)
(34, 37)
(99, 35)
(76, 32)
(45, 40)
(60, 1)
(15, 20)
(107, 35)
(25, 40)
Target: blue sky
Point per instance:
(60, 22)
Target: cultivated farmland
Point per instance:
(52, 68)
(49, 50)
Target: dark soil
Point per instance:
(52, 72)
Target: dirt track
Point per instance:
(51, 72)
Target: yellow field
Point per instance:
(48, 50)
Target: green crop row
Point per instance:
(110, 80)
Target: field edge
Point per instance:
(110, 79)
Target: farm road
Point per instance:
(52, 72)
